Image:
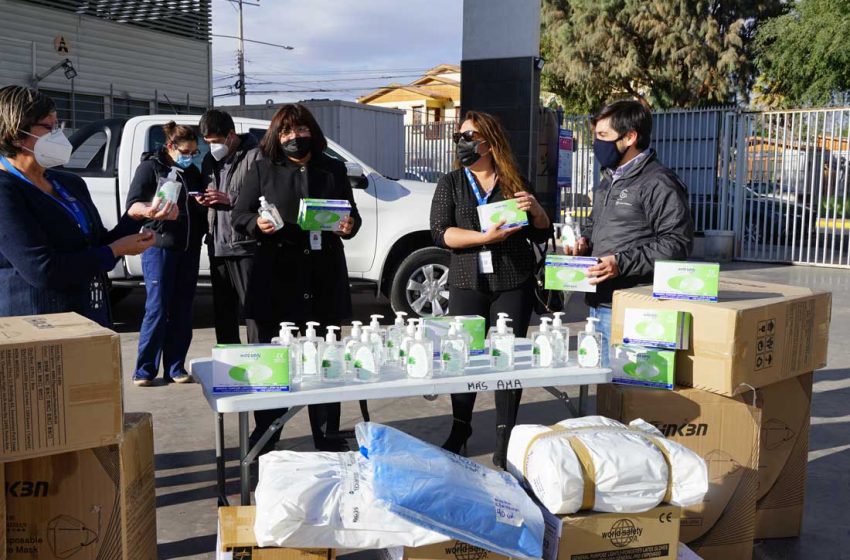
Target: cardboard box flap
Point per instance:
(37, 328)
(739, 294)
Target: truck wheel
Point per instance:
(419, 286)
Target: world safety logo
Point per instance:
(623, 533)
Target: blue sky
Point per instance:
(343, 47)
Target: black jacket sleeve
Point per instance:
(534, 234)
(670, 218)
(143, 186)
(442, 211)
(246, 210)
(340, 175)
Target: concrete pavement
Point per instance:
(184, 442)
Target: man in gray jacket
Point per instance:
(231, 253)
(640, 209)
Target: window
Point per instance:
(127, 108)
(417, 114)
(77, 112)
(89, 155)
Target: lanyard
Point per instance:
(66, 200)
(482, 198)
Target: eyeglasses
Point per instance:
(298, 130)
(50, 127)
(188, 152)
(468, 135)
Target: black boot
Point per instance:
(461, 431)
(500, 456)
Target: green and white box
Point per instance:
(493, 213)
(438, 327)
(633, 364)
(662, 328)
(686, 280)
(322, 214)
(250, 368)
(569, 274)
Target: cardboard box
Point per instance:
(686, 280)
(236, 540)
(250, 368)
(659, 328)
(758, 334)
(2, 513)
(723, 431)
(508, 210)
(613, 536)
(783, 457)
(474, 325)
(91, 504)
(568, 274)
(320, 214)
(449, 550)
(60, 385)
(642, 366)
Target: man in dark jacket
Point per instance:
(640, 210)
(231, 253)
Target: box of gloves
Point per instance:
(320, 214)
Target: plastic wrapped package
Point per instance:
(450, 494)
(319, 500)
(600, 464)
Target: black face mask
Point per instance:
(607, 153)
(298, 147)
(467, 151)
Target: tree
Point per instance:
(804, 55)
(672, 53)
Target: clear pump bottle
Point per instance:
(311, 350)
(168, 188)
(543, 345)
(333, 358)
(407, 339)
(378, 336)
(590, 345)
(288, 338)
(570, 232)
(395, 334)
(348, 342)
(454, 350)
(561, 340)
(268, 211)
(420, 358)
(365, 366)
(502, 345)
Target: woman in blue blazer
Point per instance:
(54, 250)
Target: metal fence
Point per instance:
(428, 150)
(777, 179)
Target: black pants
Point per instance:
(229, 277)
(324, 418)
(518, 304)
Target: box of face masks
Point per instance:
(686, 280)
(248, 368)
(662, 328)
(438, 327)
(642, 366)
(321, 214)
(493, 213)
(569, 274)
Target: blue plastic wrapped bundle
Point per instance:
(450, 494)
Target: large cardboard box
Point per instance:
(2, 515)
(723, 431)
(783, 457)
(86, 505)
(236, 540)
(60, 385)
(449, 550)
(756, 334)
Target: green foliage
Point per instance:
(804, 55)
(672, 53)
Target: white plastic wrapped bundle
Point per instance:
(326, 500)
(600, 464)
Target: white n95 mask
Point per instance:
(219, 151)
(52, 149)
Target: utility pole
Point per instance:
(241, 59)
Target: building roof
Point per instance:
(419, 88)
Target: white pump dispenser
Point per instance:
(364, 364)
(420, 359)
(560, 340)
(542, 345)
(590, 345)
(407, 339)
(502, 345)
(289, 341)
(333, 358)
(348, 342)
(395, 334)
(311, 350)
(378, 336)
(269, 211)
(569, 232)
(454, 350)
(168, 188)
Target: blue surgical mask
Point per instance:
(183, 161)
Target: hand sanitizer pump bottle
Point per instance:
(569, 232)
(502, 345)
(560, 340)
(364, 365)
(333, 358)
(420, 359)
(454, 351)
(268, 211)
(378, 336)
(311, 350)
(407, 340)
(288, 339)
(394, 336)
(347, 344)
(590, 345)
(542, 345)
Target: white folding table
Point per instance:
(393, 383)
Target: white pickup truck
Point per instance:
(393, 252)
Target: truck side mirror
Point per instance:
(356, 176)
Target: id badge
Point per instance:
(316, 240)
(485, 262)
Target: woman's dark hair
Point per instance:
(492, 130)
(626, 115)
(216, 123)
(20, 108)
(291, 116)
(176, 133)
